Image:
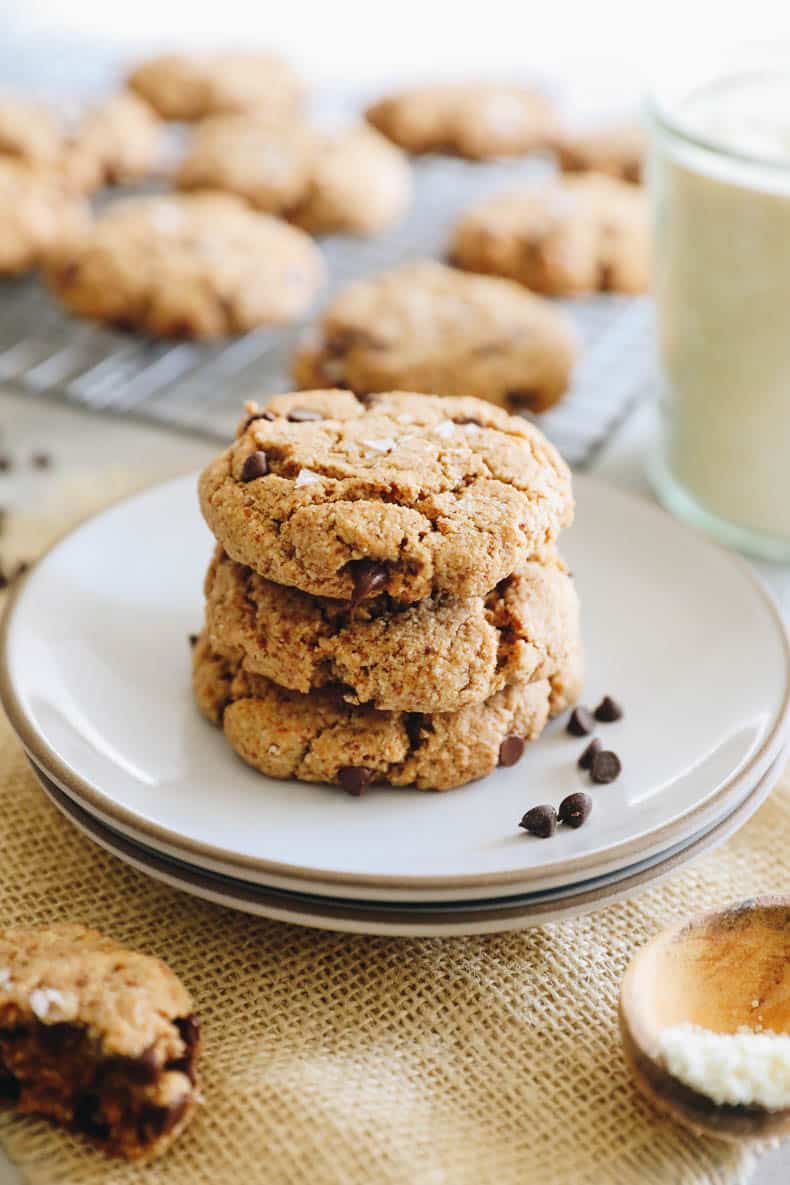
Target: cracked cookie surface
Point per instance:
(435, 656)
(404, 494)
(97, 1037)
(320, 738)
(475, 120)
(192, 86)
(570, 236)
(187, 266)
(426, 327)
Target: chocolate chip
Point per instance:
(369, 577)
(6, 462)
(586, 759)
(193, 639)
(68, 273)
(88, 1117)
(154, 1121)
(540, 821)
(4, 581)
(354, 779)
(608, 710)
(41, 460)
(143, 1069)
(10, 1086)
(189, 1031)
(467, 420)
(258, 415)
(575, 809)
(606, 766)
(581, 722)
(528, 400)
(124, 324)
(256, 465)
(303, 415)
(415, 726)
(182, 328)
(511, 750)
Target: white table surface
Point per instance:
(88, 448)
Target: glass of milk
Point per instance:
(719, 174)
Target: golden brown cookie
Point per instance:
(187, 266)
(565, 238)
(114, 142)
(435, 656)
(616, 151)
(36, 215)
(191, 86)
(403, 494)
(426, 327)
(320, 738)
(99, 1038)
(29, 131)
(475, 120)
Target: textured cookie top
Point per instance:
(67, 973)
(29, 131)
(616, 151)
(114, 141)
(432, 493)
(476, 120)
(566, 237)
(435, 656)
(35, 215)
(426, 327)
(188, 265)
(190, 86)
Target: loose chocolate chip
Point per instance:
(606, 766)
(586, 759)
(41, 460)
(540, 821)
(193, 639)
(608, 710)
(581, 722)
(303, 415)
(354, 779)
(511, 749)
(258, 415)
(6, 462)
(256, 465)
(370, 578)
(575, 809)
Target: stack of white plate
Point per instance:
(96, 681)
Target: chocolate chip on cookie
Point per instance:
(256, 465)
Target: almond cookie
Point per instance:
(616, 151)
(191, 86)
(426, 327)
(36, 214)
(114, 142)
(309, 178)
(187, 266)
(320, 738)
(434, 656)
(29, 131)
(99, 1038)
(475, 120)
(569, 237)
(404, 494)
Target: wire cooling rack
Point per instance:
(199, 388)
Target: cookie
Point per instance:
(113, 143)
(616, 151)
(36, 213)
(96, 1037)
(426, 327)
(435, 656)
(320, 738)
(404, 494)
(311, 179)
(568, 237)
(187, 266)
(191, 86)
(29, 132)
(475, 120)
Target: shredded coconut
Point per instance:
(746, 1068)
(306, 477)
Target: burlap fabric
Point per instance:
(340, 1060)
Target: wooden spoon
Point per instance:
(721, 970)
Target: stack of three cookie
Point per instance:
(386, 603)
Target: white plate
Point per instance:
(428, 919)
(96, 681)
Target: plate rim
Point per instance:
(50, 760)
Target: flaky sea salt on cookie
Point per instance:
(99, 1038)
(403, 494)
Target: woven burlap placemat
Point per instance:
(343, 1060)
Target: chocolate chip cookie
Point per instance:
(426, 327)
(113, 143)
(565, 238)
(309, 178)
(616, 151)
(320, 738)
(99, 1038)
(475, 120)
(435, 656)
(187, 266)
(36, 214)
(403, 494)
(191, 86)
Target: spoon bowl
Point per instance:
(722, 971)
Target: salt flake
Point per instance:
(380, 446)
(306, 477)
